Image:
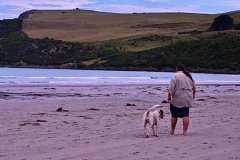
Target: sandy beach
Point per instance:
(99, 125)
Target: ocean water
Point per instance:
(26, 76)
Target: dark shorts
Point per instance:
(179, 112)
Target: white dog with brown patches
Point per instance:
(151, 120)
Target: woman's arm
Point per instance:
(171, 88)
(169, 96)
(194, 90)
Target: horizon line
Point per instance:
(79, 9)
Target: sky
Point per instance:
(12, 8)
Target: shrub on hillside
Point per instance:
(222, 22)
(10, 25)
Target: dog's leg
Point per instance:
(156, 130)
(155, 127)
(146, 129)
(157, 122)
(153, 130)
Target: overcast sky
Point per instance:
(12, 8)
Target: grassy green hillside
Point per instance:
(91, 26)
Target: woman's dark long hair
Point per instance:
(180, 67)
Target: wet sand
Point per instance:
(99, 125)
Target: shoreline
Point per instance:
(55, 77)
(110, 85)
(172, 70)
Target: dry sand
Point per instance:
(100, 126)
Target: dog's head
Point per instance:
(161, 113)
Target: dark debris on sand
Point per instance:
(93, 109)
(61, 110)
(130, 104)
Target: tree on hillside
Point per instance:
(10, 25)
(222, 22)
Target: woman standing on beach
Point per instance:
(181, 94)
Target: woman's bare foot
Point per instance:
(172, 132)
(185, 133)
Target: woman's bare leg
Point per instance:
(173, 125)
(185, 125)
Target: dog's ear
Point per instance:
(161, 114)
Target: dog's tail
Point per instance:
(157, 106)
(147, 114)
(146, 118)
